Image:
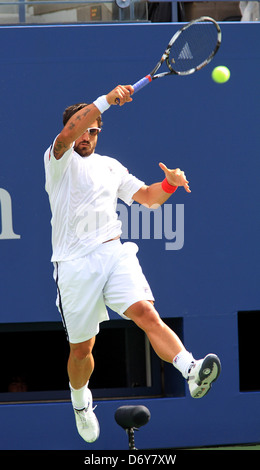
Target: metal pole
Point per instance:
(22, 12)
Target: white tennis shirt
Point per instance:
(83, 193)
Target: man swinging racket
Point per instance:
(92, 268)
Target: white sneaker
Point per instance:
(86, 421)
(202, 374)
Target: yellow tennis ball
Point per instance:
(220, 74)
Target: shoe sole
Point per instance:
(209, 372)
(82, 433)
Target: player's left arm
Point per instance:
(154, 194)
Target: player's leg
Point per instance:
(80, 368)
(128, 293)
(81, 363)
(80, 301)
(200, 374)
(164, 341)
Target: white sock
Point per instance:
(78, 397)
(183, 361)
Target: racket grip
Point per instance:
(138, 85)
(141, 83)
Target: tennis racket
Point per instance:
(189, 50)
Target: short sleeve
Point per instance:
(128, 187)
(57, 167)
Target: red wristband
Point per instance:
(167, 187)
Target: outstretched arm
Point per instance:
(80, 121)
(155, 195)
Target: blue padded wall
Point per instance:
(212, 132)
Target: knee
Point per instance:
(144, 315)
(81, 350)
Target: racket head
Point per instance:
(193, 46)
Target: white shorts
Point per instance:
(109, 276)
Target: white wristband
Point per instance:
(101, 103)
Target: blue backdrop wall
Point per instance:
(210, 270)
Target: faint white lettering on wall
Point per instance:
(7, 232)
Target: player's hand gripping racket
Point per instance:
(189, 50)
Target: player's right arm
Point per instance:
(81, 120)
(74, 128)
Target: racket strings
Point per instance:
(194, 46)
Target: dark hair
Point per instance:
(74, 108)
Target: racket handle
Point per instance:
(138, 85)
(141, 83)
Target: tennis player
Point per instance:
(92, 268)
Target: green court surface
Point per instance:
(235, 447)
